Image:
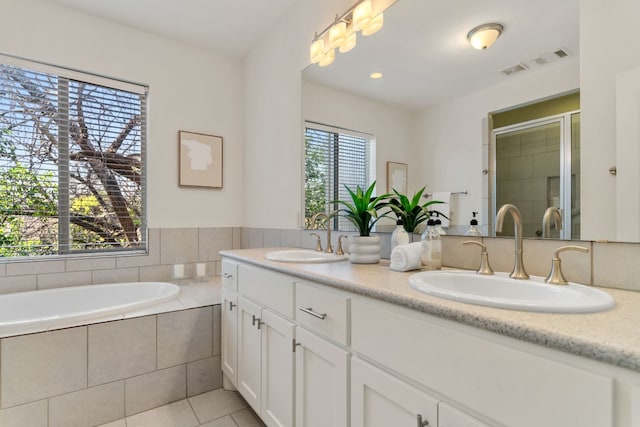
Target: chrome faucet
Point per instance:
(552, 213)
(314, 219)
(518, 266)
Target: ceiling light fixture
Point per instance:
(483, 36)
(375, 75)
(365, 16)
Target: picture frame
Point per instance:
(200, 160)
(397, 177)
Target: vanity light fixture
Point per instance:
(365, 16)
(483, 36)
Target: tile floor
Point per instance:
(217, 408)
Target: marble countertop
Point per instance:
(611, 336)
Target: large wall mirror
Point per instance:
(433, 107)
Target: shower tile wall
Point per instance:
(526, 164)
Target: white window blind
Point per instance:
(335, 157)
(72, 163)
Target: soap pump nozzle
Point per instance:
(473, 226)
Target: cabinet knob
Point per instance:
(231, 305)
(422, 423)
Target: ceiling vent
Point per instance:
(515, 69)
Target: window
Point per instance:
(334, 158)
(72, 176)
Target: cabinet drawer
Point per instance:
(270, 289)
(505, 383)
(325, 312)
(229, 274)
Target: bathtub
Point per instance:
(55, 308)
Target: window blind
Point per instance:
(72, 163)
(335, 157)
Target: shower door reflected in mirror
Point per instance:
(537, 166)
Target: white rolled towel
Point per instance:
(406, 257)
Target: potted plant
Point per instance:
(410, 211)
(363, 212)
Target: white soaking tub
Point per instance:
(54, 308)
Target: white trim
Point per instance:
(99, 80)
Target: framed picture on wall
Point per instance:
(397, 177)
(200, 158)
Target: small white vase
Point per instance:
(364, 249)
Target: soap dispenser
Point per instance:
(399, 235)
(431, 247)
(439, 228)
(473, 226)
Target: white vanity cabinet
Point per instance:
(321, 382)
(361, 362)
(449, 416)
(506, 383)
(265, 362)
(229, 321)
(322, 358)
(381, 400)
(229, 335)
(264, 342)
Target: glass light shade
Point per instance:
(337, 34)
(484, 36)
(361, 15)
(374, 26)
(349, 43)
(328, 58)
(316, 51)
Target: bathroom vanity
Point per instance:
(339, 344)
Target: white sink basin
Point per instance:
(303, 255)
(503, 292)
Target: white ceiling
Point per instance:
(422, 49)
(230, 27)
(426, 58)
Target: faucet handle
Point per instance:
(555, 276)
(485, 267)
(318, 242)
(339, 251)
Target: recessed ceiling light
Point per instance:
(376, 75)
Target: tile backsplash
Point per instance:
(607, 264)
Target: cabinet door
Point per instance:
(249, 352)
(321, 382)
(451, 417)
(381, 400)
(229, 337)
(277, 370)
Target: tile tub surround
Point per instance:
(166, 247)
(95, 374)
(610, 336)
(608, 264)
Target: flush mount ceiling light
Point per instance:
(483, 36)
(365, 16)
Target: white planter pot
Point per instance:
(364, 249)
